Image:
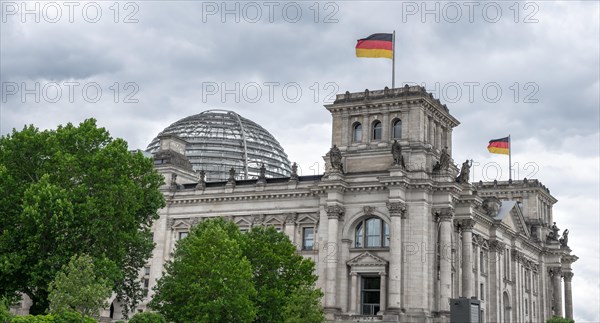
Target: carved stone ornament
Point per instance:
(201, 179)
(231, 179)
(334, 211)
(466, 224)
(568, 276)
(491, 205)
(170, 223)
(335, 158)
(291, 218)
(294, 176)
(554, 271)
(397, 209)
(444, 214)
(497, 246)
(262, 176)
(369, 210)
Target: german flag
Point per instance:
(499, 146)
(376, 45)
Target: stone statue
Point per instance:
(553, 235)
(335, 156)
(463, 177)
(397, 154)
(444, 159)
(201, 180)
(294, 176)
(437, 167)
(262, 176)
(565, 238)
(173, 181)
(231, 178)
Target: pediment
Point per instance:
(306, 219)
(510, 214)
(366, 259)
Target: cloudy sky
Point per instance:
(529, 69)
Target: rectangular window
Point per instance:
(370, 296)
(182, 235)
(146, 286)
(481, 292)
(146, 271)
(308, 238)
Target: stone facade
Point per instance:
(393, 242)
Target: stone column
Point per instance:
(383, 292)
(334, 213)
(445, 217)
(366, 129)
(431, 132)
(555, 273)
(449, 141)
(438, 136)
(397, 211)
(467, 250)
(496, 249)
(568, 276)
(289, 228)
(385, 131)
(353, 292)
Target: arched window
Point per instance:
(377, 130)
(372, 233)
(357, 132)
(397, 129)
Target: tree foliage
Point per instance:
(278, 284)
(304, 306)
(559, 319)
(77, 288)
(278, 271)
(148, 317)
(208, 279)
(74, 190)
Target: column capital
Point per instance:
(334, 211)
(555, 271)
(497, 246)
(568, 276)
(466, 224)
(396, 209)
(444, 214)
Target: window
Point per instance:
(146, 286)
(481, 262)
(357, 132)
(377, 130)
(183, 235)
(397, 129)
(481, 291)
(372, 233)
(308, 238)
(370, 300)
(146, 271)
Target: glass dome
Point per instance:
(221, 139)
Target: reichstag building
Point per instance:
(395, 228)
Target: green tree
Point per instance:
(5, 314)
(77, 288)
(148, 317)
(208, 279)
(304, 306)
(559, 319)
(69, 191)
(279, 273)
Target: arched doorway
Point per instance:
(507, 307)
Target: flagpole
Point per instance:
(393, 59)
(509, 159)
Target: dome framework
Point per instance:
(221, 139)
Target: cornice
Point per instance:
(246, 197)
